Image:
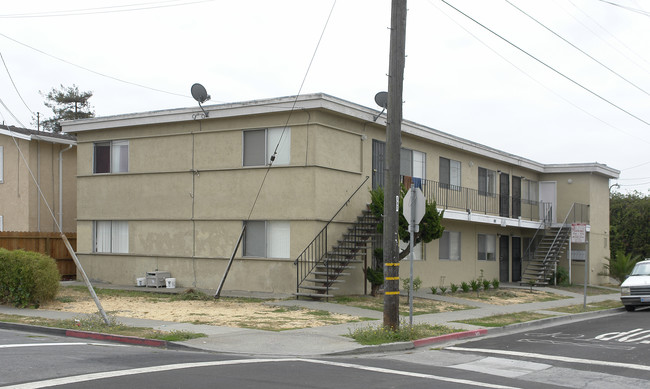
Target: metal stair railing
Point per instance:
(548, 207)
(313, 254)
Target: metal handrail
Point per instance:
(312, 255)
(542, 226)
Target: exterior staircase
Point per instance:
(546, 255)
(321, 268)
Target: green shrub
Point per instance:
(434, 290)
(495, 283)
(443, 289)
(561, 276)
(621, 265)
(486, 284)
(464, 286)
(27, 278)
(454, 287)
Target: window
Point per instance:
(529, 191)
(1, 226)
(487, 250)
(449, 173)
(267, 239)
(418, 251)
(111, 157)
(450, 246)
(259, 146)
(487, 180)
(111, 236)
(2, 167)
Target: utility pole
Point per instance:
(391, 175)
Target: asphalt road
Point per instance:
(607, 352)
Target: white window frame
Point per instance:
(487, 247)
(2, 165)
(418, 251)
(279, 137)
(116, 147)
(115, 237)
(449, 244)
(453, 179)
(276, 240)
(487, 182)
(1, 223)
(530, 191)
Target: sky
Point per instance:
(554, 81)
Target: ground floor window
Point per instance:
(418, 250)
(450, 246)
(487, 247)
(111, 236)
(267, 239)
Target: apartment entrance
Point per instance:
(516, 259)
(504, 258)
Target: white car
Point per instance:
(635, 290)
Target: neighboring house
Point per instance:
(170, 190)
(53, 161)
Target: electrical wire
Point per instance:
(93, 71)
(549, 67)
(577, 48)
(11, 113)
(636, 166)
(104, 10)
(14, 84)
(293, 106)
(636, 10)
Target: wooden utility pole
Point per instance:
(391, 175)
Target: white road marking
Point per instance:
(552, 358)
(502, 367)
(59, 344)
(179, 366)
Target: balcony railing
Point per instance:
(449, 196)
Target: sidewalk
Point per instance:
(329, 340)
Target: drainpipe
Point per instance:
(61, 187)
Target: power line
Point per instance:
(548, 66)
(11, 113)
(103, 10)
(14, 84)
(636, 166)
(92, 71)
(577, 48)
(636, 10)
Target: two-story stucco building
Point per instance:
(53, 160)
(170, 191)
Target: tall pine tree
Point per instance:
(67, 103)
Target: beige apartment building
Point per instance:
(52, 159)
(171, 191)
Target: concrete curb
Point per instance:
(88, 335)
(448, 337)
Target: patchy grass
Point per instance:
(373, 335)
(504, 320)
(598, 306)
(95, 323)
(420, 306)
(591, 290)
(505, 296)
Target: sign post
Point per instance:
(414, 208)
(579, 235)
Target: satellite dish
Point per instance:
(199, 93)
(381, 99)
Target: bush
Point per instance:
(454, 287)
(434, 290)
(561, 276)
(475, 285)
(486, 284)
(406, 284)
(443, 289)
(621, 265)
(27, 278)
(495, 283)
(464, 286)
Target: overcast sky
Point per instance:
(552, 105)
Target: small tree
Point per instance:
(621, 266)
(67, 103)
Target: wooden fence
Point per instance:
(48, 243)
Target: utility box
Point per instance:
(156, 279)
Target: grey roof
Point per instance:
(25, 133)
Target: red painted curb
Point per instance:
(444, 338)
(116, 338)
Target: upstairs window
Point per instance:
(111, 236)
(449, 173)
(2, 166)
(259, 146)
(449, 246)
(487, 247)
(111, 157)
(487, 182)
(529, 191)
(267, 239)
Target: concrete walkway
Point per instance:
(330, 340)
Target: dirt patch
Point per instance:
(421, 306)
(509, 296)
(223, 312)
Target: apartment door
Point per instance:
(516, 197)
(504, 195)
(378, 155)
(548, 194)
(504, 258)
(516, 259)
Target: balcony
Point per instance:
(473, 201)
